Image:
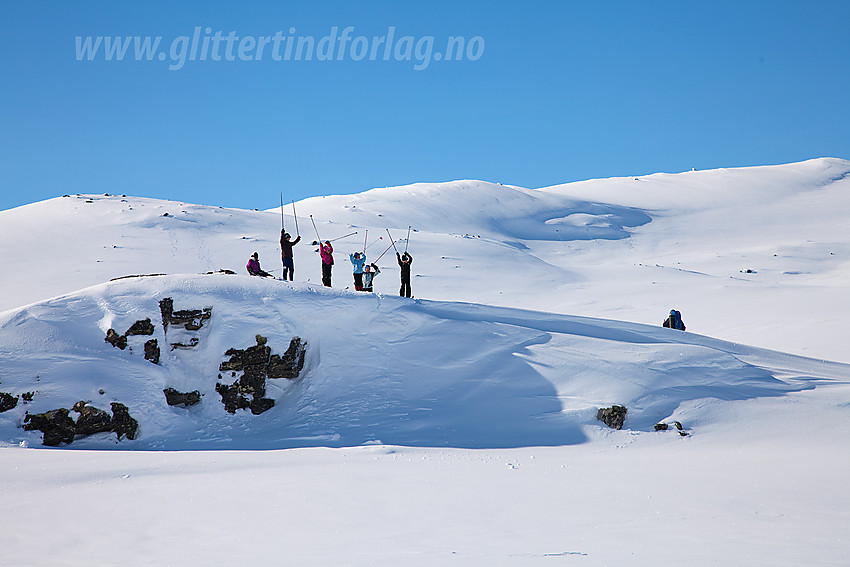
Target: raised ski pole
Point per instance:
(341, 237)
(373, 243)
(318, 238)
(365, 238)
(282, 229)
(297, 233)
(391, 240)
(406, 242)
(384, 252)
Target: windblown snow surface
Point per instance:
(458, 427)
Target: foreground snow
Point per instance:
(736, 500)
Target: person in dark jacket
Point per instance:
(674, 321)
(326, 250)
(253, 266)
(369, 273)
(404, 261)
(286, 254)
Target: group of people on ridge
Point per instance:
(364, 274)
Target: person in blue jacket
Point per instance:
(358, 259)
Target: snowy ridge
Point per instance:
(478, 207)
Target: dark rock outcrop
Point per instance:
(193, 342)
(91, 420)
(176, 398)
(56, 425)
(236, 362)
(613, 417)
(291, 363)
(256, 364)
(122, 422)
(144, 327)
(152, 351)
(679, 429)
(7, 401)
(232, 398)
(189, 319)
(259, 405)
(135, 276)
(115, 339)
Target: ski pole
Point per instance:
(406, 242)
(341, 237)
(384, 252)
(391, 240)
(379, 238)
(318, 238)
(297, 233)
(282, 230)
(365, 238)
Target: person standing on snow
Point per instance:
(358, 259)
(369, 276)
(674, 321)
(404, 261)
(286, 254)
(253, 266)
(326, 250)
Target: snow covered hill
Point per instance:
(460, 426)
(379, 369)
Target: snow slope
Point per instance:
(459, 427)
(627, 249)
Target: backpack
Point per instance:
(674, 321)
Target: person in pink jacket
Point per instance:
(326, 250)
(253, 267)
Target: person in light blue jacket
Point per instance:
(358, 259)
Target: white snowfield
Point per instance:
(458, 427)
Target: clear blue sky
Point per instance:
(562, 91)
